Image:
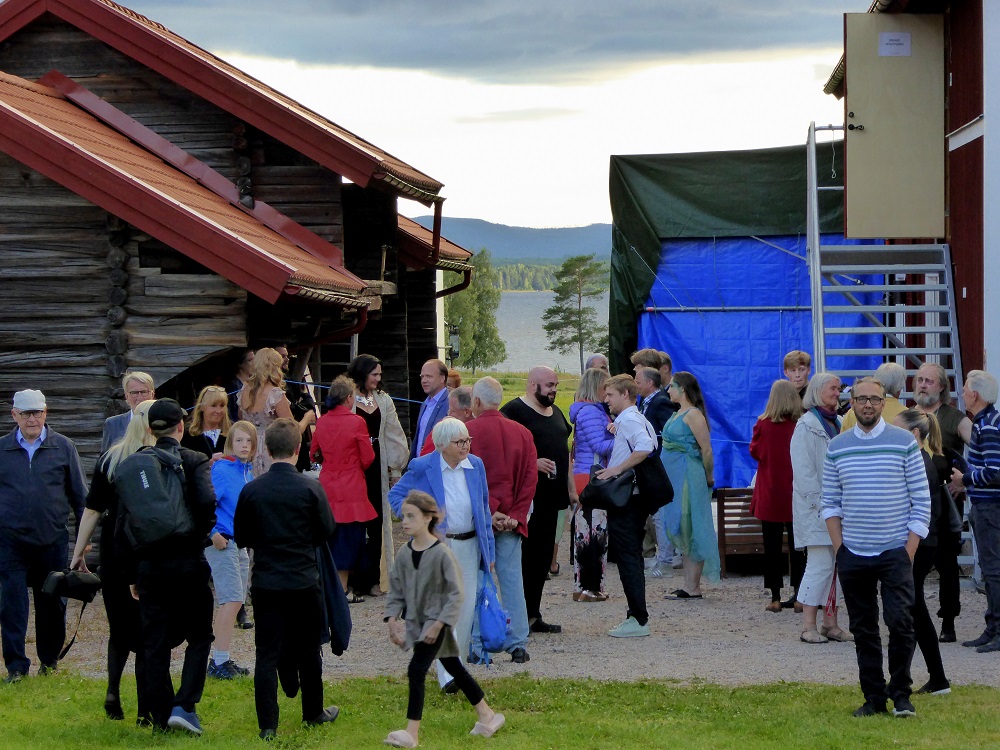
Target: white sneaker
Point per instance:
(677, 562)
(630, 628)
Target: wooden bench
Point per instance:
(739, 532)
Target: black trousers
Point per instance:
(372, 571)
(776, 563)
(175, 605)
(288, 626)
(946, 561)
(416, 673)
(860, 578)
(923, 625)
(24, 567)
(626, 529)
(536, 556)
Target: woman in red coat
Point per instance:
(772, 493)
(344, 448)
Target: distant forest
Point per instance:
(516, 276)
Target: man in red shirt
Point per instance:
(508, 451)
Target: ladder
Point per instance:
(913, 319)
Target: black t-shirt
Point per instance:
(551, 438)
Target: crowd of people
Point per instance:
(850, 493)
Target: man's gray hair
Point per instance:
(489, 391)
(592, 359)
(462, 396)
(892, 376)
(143, 377)
(446, 430)
(984, 384)
(816, 384)
(942, 377)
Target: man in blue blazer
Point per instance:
(433, 379)
(138, 387)
(457, 481)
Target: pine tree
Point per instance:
(474, 311)
(570, 322)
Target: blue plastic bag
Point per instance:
(494, 622)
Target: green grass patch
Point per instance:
(514, 384)
(64, 711)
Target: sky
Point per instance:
(517, 106)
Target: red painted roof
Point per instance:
(48, 133)
(229, 88)
(425, 238)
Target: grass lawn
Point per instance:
(64, 712)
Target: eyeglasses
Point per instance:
(463, 443)
(133, 394)
(31, 413)
(873, 400)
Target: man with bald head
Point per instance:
(550, 432)
(508, 452)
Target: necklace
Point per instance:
(368, 400)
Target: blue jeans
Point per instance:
(985, 519)
(511, 585)
(24, 566)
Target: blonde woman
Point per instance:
(263, 400)
(772, 493)
(209, 425)
(122, 611)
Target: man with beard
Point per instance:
(932, 394)
(877, 506)
(550, 432)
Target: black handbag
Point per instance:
(608, 494)
(654, 485)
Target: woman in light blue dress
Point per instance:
(687, 457)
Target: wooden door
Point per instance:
(895, 125)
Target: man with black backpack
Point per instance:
(166, 510)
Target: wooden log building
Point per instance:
(160, 208)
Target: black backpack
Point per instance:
(151, 491)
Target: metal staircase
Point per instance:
(911, 321)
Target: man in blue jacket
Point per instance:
(434, 382)
(41, 481)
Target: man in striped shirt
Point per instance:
(982, 482)
(877, 507)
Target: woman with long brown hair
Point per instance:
(687, 457)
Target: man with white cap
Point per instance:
(41, 481)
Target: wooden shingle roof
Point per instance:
(42, 129)
(231, 89)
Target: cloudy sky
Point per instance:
(517, 105)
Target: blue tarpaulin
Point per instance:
(728, 310)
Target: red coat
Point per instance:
(771, 447)
(508, 452)
(343, 441)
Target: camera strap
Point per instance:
(76, 630)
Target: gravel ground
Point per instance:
(725, 638)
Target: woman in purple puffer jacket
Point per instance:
(592, 444)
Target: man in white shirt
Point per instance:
(634, 441)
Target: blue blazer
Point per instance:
(424, 474)
(440, 412)
(114, 430)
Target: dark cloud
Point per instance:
(508, 41)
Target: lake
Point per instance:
(520, 318)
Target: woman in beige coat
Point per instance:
(813, 433)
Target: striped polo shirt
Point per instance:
(877, 484)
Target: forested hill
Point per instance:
(525, 244)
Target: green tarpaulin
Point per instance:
(660, 197)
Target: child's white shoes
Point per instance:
(490, 728)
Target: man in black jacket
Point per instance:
(283, 516)
(172, 585)
(657, 408)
